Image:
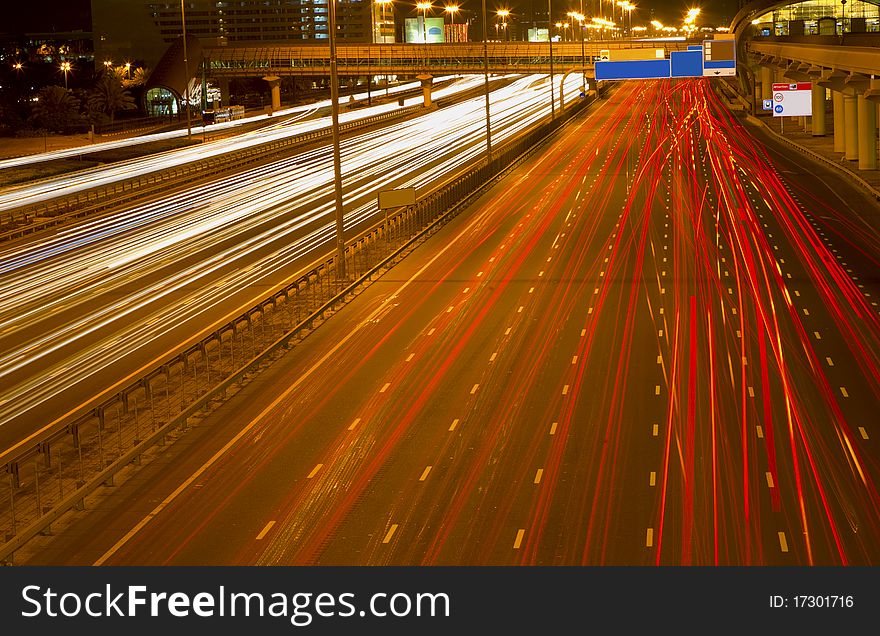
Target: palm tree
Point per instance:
(108, 96)
(56, 108)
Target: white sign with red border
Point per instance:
(793, 100)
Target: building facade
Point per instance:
(143, 30)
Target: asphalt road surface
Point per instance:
(92, 302)
(654, 343)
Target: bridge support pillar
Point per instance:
(759, 92)
(839, 121)
(867, 114)
(851, 127)
(426, 81)
(818, 124)
(766, 82)
(275, 86)
(225, 98)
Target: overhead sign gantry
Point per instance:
(712, 58)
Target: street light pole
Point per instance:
(65, 68)
(486, 84)
(583, 53)
(550, 39)
(337, 161)
(186, 72)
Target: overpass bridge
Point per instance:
(844, 67)
(412, 59)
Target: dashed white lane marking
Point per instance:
(454, 424)
(652, 480)
(769, 476)
(410, 357)
(565, 390)
(783, 544)
(583, 332)
(479, 274)
(519, 537)
(519, 311)
(574, 359)
(655, 430)
(390, 534)
(657, 389)
(507, 331)
(843, 392)
(425, 473)
(315, 471)
(863, 432)
(817, 335)
(760, 431)
(449, 310)
(493, 356)
(751, 391)
(806, 311)
(385, 388)
(431, 332)
(265, 530)
(830, 362)
(538, 475)
(649, 538)
(357, 421)
(466, 290)
(474, 388)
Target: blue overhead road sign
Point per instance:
(714, 58)
(633, 69)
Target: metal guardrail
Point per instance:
(54, 470)
(31, 219)
(871, 190)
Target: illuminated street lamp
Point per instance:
(337, 160)
(628, 8)
(503, 13)
(561, 28)
(550, 42)
(65, 68)
(17, 66)
(580, 18)
(128, 69)
(423, 7)
(690, 20)
(382, 26)
(486, 84)
(452, 9)
(185, 71)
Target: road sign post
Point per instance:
(398, 198)
(793, 100)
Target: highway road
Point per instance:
(644, 346)
(83, 306)
(296, 122)
(283, 117)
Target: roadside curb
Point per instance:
(815, 155)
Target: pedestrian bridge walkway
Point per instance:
(412, 59)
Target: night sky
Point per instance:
(64, 15)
